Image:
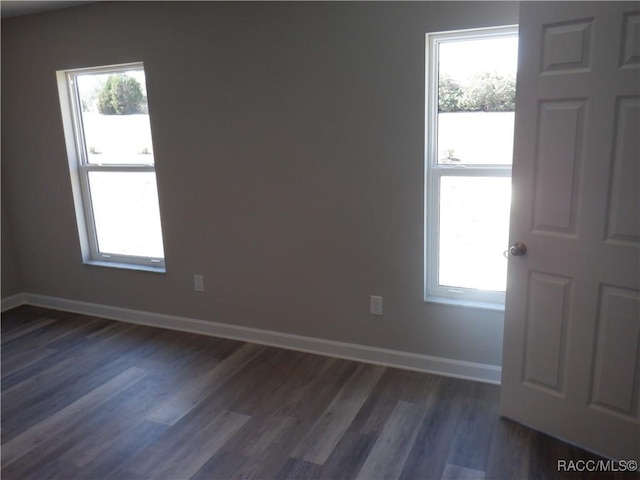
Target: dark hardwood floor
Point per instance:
(88, 398)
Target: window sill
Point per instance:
(497, 307)
(125, 266)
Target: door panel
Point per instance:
(546, 333)
(615, 385)
(557, 165)
(566, 47)
(624, 210)
(630, 57)
(571, 365)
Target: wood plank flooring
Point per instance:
(88, 398)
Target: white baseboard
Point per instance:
(13, 301)
(362, 353)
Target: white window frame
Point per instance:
(80, 168)
(433, 292)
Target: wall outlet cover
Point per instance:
(375, 305)
(198, 283)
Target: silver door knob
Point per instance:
(518, 249)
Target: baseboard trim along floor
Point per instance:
(380, 356)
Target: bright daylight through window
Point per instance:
(108, 135)
(470, 106)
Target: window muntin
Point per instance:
(470, 100)
(112, 165)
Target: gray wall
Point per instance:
(10, 282)
(289, 153)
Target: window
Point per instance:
(470, 102)
(108, 135)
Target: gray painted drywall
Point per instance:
(10, 281)
(288, 140)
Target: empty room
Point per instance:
(320, 240)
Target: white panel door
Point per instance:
(571, 362)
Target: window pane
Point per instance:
(475, 138)
(474, 232)
(125, 209)
(115, 117)
(476, 100)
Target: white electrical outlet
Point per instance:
(375, 305)
(198, 283)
